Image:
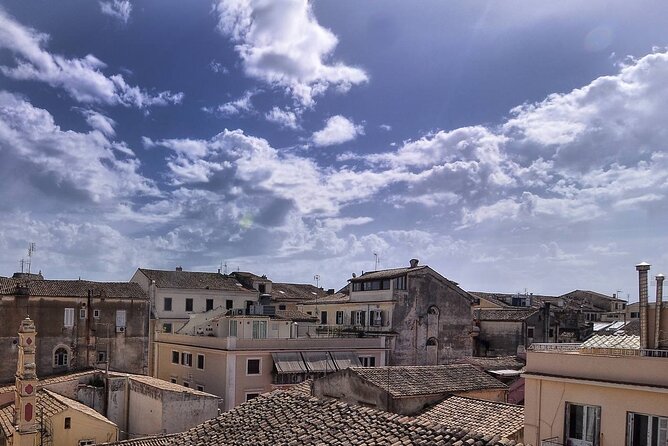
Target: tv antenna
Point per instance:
(317, 280)
(376, 260)
(32, 247)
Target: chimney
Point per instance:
(179, 268)
(642, 269)
(414, 263)
(331, 291)
(657, 310)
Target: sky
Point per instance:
(512, 146)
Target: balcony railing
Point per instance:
(555, 347)
(577, 347)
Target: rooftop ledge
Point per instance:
(577, 349)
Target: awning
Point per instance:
(343, 360)
(319, 362)
(289, 362)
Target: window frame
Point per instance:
(259, 366)
(208, 305)
(67, 423)
(83, 313)
(259, 330)
(65, 355)
(200, 356)
(189, 303)
(596, 434)
(176, 355)
(661, 431)
(167, 304)
(339, 317)
(186, 359)
(68, 318)
(121, 318)
(96, 314)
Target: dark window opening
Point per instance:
(189, 304)
(167, 304)
(229, 304)
(209, 304)
(68, 423)
(253, 367)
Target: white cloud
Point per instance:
(282, 43)
(284, 118)
(338, 130)
(385, 127)
(241, 105)
(81, 78)
(119, 9)
(100, 122)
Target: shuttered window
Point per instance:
(120, 318)
(69, 317)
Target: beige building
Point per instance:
(612, 390)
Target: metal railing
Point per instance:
(555, 347)
(608, 351)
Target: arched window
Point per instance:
(433, 310)
(60, 357)
(432, 351)
(432, 342)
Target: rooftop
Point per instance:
(296, 291)
(498, 363)
(612, 341)
(386, 273)
(486, 417)
(403, 381)
(506, 314)
(194, 280)
(72, 288)
(288, 418)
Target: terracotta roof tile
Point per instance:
(426, 380)
(74, 288)
(498, 363)
(487, 417)
(296, 291)
(194, 280)
(386, 273)
(506, 314)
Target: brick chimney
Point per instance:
(643, 269)
(657, 310)
(414, 263)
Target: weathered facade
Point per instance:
(82, 325)
(407, 390)
(426, 317)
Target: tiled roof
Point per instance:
(194, 280)
(7, 421)
(486, 417)
(386, 273)
(506, 314)
(295, 315)
(329, 299)
(58, 401)
(42, 383)
(287, 418)
(428, 380)
(159, 440)
(169, 386)
(612, 341)
(75, 288)
(498, 363)
(296, 291)
(492, 297)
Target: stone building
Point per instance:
(83, 324)
(425, 317)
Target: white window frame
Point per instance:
(366, 361)
(68, 317)
(234, 332)
(83, 313)
(199, 387)
(252, 392)
(339, 317)
(67, 356)
(590, 414)
(200, 355)
(86, 442)
(662, 429)
(178, 354)
(96, 314)
(259, 330)
(186, 359)
(259, 366)
(376, 318)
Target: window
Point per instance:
(530, 332)
(400, 283)
(69, 317)
(82, 313)
(259, 329)
(120, 318)
(167, 304)
(372, 285)
(60, 357)
(281, 307)
(175, 357)
(200, 361)
(167, 327)
(186, 384)
(96, 314)
(368, 361)
(233, 328)
(189, 304)
(101, 356)
(209, 304)
(253, 367)
(646, 430)
(68, 423)
(635, 315)
(200, 387)
(86, 442)
(358, 317)
(229, 304)
(262, 288)
(187, 359)
(339, 318)
(172, 380)
(582, 424)
(551, 333)
(323, 317)
(250, 396)
(376, 318)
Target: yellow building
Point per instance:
(611, 390)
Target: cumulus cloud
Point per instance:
(81, 78)
(282, 44)
(119, 9)
(284, 118)
(238, 106)
(338, 129)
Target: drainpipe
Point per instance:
(657, 310)
(643, 269)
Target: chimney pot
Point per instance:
(642, 266)
(331, 291)
(179, 268)
(414, 263)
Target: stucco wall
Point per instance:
(83, 427)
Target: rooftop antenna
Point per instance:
(225, 268)
(31, 250)
(375, 255)
(317, 280)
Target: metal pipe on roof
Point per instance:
(643, 269)
(657, 309)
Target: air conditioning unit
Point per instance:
(238, 312)
(120, 329)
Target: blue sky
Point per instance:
(509, 145)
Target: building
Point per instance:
(239, 357)
(408, 390)
(39, 417)
(491, 418)
(82, 324)
(426, 317)
(610, 390)
(288, 418)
